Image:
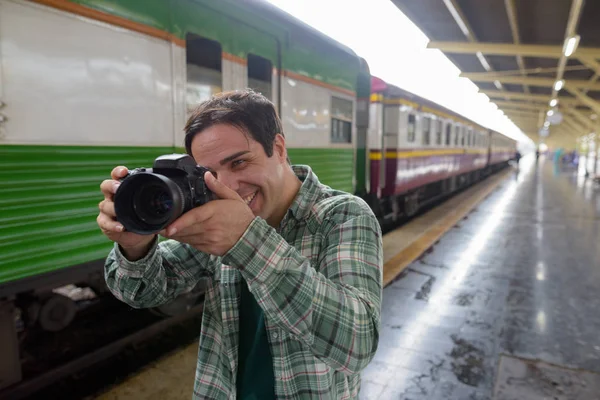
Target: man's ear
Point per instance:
(279, 149)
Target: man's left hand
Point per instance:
(216, 226)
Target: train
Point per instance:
(86, 85)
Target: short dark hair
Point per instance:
(246, 109)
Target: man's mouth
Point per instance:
(248, 199)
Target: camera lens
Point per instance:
(146, 202)
(153, 203)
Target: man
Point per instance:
(292, 308)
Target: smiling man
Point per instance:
(292, 308)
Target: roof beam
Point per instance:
(593, 65)
(542, 98)
(465, 27)
(514, 27)
(572, 127)
(580, 128)
(518, 105)
(523, 112)
(580, 117)
(574, 14)
(503, 49)
(520, 80)
(585, 99)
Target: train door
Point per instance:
(489, 148)
(390, 146)
(3, 117)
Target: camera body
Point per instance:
(149, 199)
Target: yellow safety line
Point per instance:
(377, 155)
(404, 258)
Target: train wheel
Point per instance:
(57, 312)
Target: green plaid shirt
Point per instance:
(318, 279)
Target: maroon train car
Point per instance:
(419, 151)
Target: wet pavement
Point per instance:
(506, 305)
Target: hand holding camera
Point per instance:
(215, 227)
(134, 245)
(166, 199)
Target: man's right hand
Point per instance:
(133, 245)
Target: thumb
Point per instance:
(218, 188)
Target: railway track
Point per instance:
(82, 360)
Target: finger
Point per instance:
(107, 207)
(190, 218)
(109, 187)
(119, 172)
(107, 224)
(222, 191)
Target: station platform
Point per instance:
(505, 305)
(489, 296)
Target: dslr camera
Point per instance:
(149, 199)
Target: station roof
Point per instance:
(514, 51)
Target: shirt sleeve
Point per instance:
(169, 269)
(334, 308)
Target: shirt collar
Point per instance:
(307, 195)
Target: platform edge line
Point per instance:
(397, 264)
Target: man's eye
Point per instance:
(237, 163)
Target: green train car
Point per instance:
(86, 85)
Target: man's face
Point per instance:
(242, 165)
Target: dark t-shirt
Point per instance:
(255, 378)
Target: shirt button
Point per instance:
(275, 335)
(231, 326)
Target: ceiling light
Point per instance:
(553, 103)
(546, 124)
(559, 85)
(570, 45)
(550, 113)
(483, 61)
(498, 85)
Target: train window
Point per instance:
(203, 68)
(438, 132)
(456, 134)
(411, 128)
(426, 130)
(259, 75)
(341, 120)
(448, 133)
(463, 134)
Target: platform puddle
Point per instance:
(537, 380)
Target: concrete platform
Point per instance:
(518, 280)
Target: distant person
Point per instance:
(293, 304)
